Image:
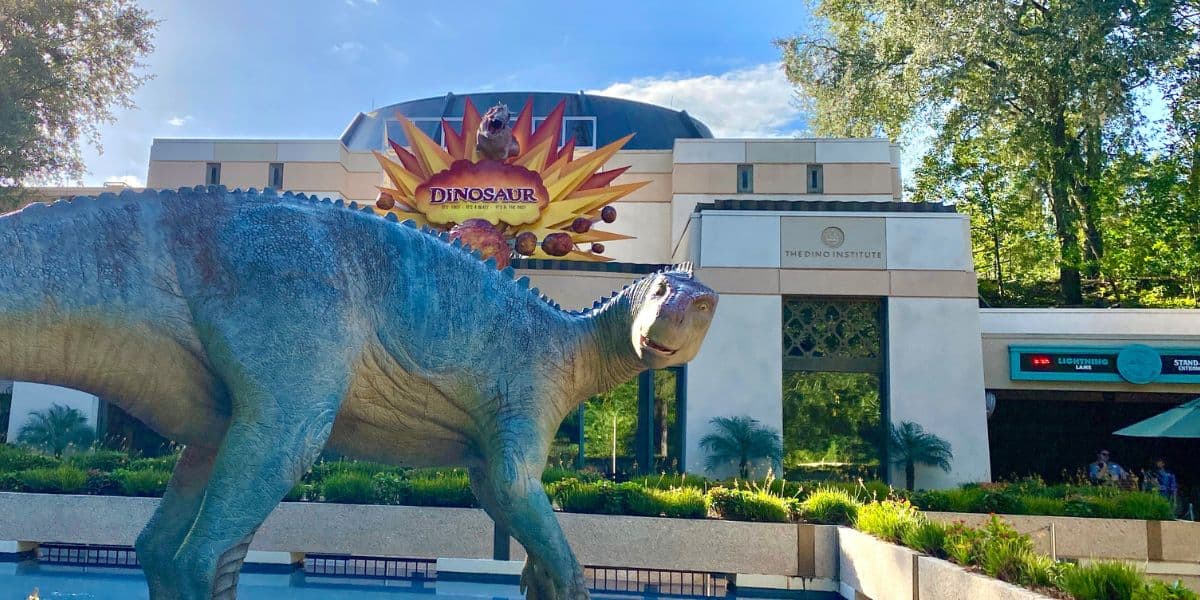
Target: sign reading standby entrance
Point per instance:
(832, 243)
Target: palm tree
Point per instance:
(740, 439)
(56, 429)
(911, 445)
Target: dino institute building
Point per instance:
(834, 292)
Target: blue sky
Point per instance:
(276, 69)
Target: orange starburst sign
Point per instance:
(541, 190)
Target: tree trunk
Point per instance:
(985, 190)
(744, 468)
(1065, 217)
(661, 427)
(910, 475)
(1089, 201)
(614, 443)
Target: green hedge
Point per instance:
(1060, 500)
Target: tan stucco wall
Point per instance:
(174, 174)
(834, 282)
(780, 178)
(705, 179)
(867, 178)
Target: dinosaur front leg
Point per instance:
(509, 488)
(265, 452)
(163, 534)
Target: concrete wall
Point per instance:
(935, 379)
(738, 372)
(28, 398)
(874, 569)
(780, 549)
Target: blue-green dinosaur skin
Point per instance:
(259, 329)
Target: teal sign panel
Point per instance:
(1136, 363)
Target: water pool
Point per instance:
(17, 580)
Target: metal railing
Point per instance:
(87, 555)
(370, 566)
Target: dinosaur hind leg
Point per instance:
(163, 534)
(264, 454)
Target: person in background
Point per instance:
(1168, 486)
(1106, 471)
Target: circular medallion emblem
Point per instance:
(833, 236)
(1139, 364)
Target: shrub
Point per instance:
(301, 492)
(325, 469)
(676, 503)
(9, 482)
(928, 537)
(830, 507)
(1158, 590)
(142, 482)
(100, 483)
(390, 488)
(961, 543)
(887, 520)
(348, 488)
(1038, 505)
(63, 479)
(1005, 558)
(597, 497)
(99, 459)
(158, 463)
(749, 505)
(446, 488)
(679, 480)
(21, 458)
(1039, 570)
(1104, 580)
(1141, 505)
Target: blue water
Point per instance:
(17, 580)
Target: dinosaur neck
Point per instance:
(606, 351)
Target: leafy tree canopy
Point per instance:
(1026, 107)
(64, 65)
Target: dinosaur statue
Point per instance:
(259, 329)
(494, 140)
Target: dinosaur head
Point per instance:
(671, 315)
(495, 120)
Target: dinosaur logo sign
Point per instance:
(490, 190)
(500, 183)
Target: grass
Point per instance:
(349, 487)
(830, 506)
(142, 482)
(750, 505)
(888, 520)
(63, 479)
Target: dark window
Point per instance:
(275, 175)
(583, 129)
(212, 174)
(816, 179)
(833, 394)
(745, 179)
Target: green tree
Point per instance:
(56, 429)
(831, 417)
(1051, 89)
(910, 445)
(64, 65)
(740, 440)
(610, 420)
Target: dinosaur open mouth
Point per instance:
(495, 125)
(657, 347)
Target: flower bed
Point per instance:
(106, 472)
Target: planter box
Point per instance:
(941, 580)
(874, 568)
(424, 532)
(1078, 537)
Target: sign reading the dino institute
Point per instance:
(506, 188)
(490, 189)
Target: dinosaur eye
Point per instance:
(662, 290)
(702, 306)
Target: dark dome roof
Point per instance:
(602, 118)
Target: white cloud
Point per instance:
(753, 102)
(360, 2)
(350, 51)
(177, 121)
(129, 180)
